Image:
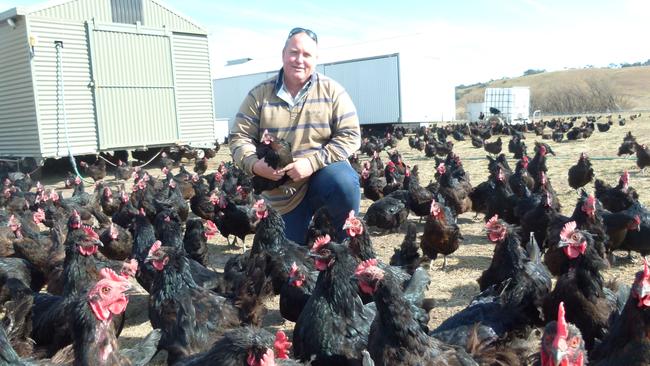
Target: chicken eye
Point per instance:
(575, 237)
(106, 289)
(575, 342)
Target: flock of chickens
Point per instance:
(69, 264)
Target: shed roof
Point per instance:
(22, 10)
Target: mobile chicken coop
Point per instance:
(400, 87)
(87, 76)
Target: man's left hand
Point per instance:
(299, 169)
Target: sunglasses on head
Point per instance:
(308, 32)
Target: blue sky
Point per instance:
(479, 40)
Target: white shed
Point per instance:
(97, 75)
(400, 87)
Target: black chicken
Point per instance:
(493, 147)
(581, 173)
(627, 343)
(395, 338)
(407, 255)
(441, 233)
(588, 303)
(94, 340)
(191, 317)
(388, 213)
(334, 325)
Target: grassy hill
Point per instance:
(632, 84)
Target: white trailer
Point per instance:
(389, 88)
(513, 104)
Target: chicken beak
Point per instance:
(558, 356)
(562, 244)
(130, 290)
(645, 291)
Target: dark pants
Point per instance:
(335, 186)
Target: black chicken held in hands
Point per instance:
(277, 154)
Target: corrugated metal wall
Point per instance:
(229, 93)
(193, 88)
(19, 136)
(373, 85)
(80, 10)
(134, 88)
(156, 15)
(79, 107)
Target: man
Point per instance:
(318, 118)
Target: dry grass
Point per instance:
(630, 83)
(456, 285)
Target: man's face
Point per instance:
(299, 58)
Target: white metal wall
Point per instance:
(373, 85)
(193, 88)
(391, 88)
(19, 136)
(79, 107)
(229, 93)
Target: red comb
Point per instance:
(90, 232)
(109, 274)
(365, 265)
(567, 230)
(281, 345)
(321, 241)
(155, 246)
(492, 221)
(562, 326)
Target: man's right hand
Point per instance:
(263, 170)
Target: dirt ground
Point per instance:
(456, 285)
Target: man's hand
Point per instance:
(264, 170)
(298, 170)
